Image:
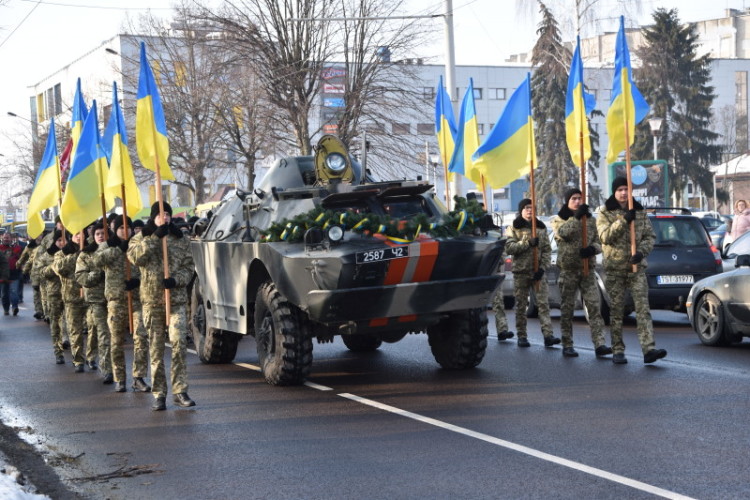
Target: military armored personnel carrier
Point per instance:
(319, 249)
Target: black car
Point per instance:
(719, 306)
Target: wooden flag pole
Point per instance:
(535, 250)
(164, 251)
(630, 191)
(128, 274)
(584, 219)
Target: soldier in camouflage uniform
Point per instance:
(91, 278)
(568, 228)
(145, 251)
(52, 290)
(64, 265)
(498, 307)
(26, 263)
(520, 244)
(614, 230)
(111, 257)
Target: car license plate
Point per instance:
(675, 279)
(382, 254)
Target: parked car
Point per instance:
(719, 306)
(740, 246)
(711, 223)
(719, 235)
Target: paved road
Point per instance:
(527, 424)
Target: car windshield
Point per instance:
(740, 247)
(675, 231)
(711, 223)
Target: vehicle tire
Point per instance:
(709, 320)
(532, 310)
(213, 346)
(459, 341)
(603, 309)
(361, 343)
(509, 302)
(283, 335)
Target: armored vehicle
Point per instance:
(320, 249)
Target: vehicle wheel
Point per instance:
(532, 310)
(283, 335)
(459, 341)
(603, 309)
(361, 343)
(709, 320)
(212, 345)
(509, 302)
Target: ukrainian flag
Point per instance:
(467, 139)
(508, 151)
(578, 104)
(46, 191)
(81, 202)
(120, 179)
(150, 126)
(79, 116)
(445, 124)
(627, 105)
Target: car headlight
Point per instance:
(335, 162)
(335, 233)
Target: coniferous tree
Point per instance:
(675, 82)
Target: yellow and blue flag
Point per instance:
(81, 202)
(150, 126)
(508, 151)
(445, 124)
(627, 105)
(120, 179)
(578, 104)
(46, 191)
(467, 139)
(80, 112)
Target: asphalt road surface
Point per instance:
(527, 423)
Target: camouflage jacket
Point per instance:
(25, 258)
(145, 251)
(517, 245)
(614, 233)
(65, 267)
(50, 279)
(568, 235)
(36, 266)
(112, 260)
(90, 276)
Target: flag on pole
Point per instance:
(578, 104)
(445, 123)
(467, 139)
(150, 125)
(46, 190)
(79, 116)
(81, 203)
(115, 144)
(627, 104)
(508, 151)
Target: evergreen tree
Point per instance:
(675, 82)
(551, 62)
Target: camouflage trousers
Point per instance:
(43, 297)
(75, 313)
(55, 312)
(616, 285)
(98, 327)
(119, 325)
(522, 285)
(92, 341)
(498, 307)
(570, 283)
(155, 323)
(38, 308)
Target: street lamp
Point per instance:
(655, 125)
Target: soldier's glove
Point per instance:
(582, 211)
(32, 244)
(538, 275)
(534, 242)
(124, 245)
(636, 258)
(169, 283)
(70, 248)
(113, 241)
(162, 231)
(132, 284)
(52, 250)
(90, 248)
(587, 252)
(630, 215)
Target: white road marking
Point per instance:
(249, 366)
(519, 448)
(319, 387)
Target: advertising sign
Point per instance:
(329, 88)
(650, 181)
(331, 73)
(333, 102)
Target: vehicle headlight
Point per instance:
(336, 162)
(335, 233)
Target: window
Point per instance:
(425, 128)
(477, 94)
(496, 94)
(428, 92)
(401, 129)
(480, 128)
(375, 128)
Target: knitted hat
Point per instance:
(569, 194)
(619, 182)
(155, 209)
(138, 223)
(522, 204)
(119, 222)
